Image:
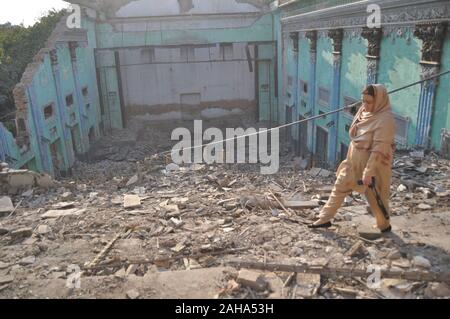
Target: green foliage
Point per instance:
(18, 45)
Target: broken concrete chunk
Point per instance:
(401, 263)
(421, 262)
(424, 207)
(121, 273)
(45, 181)
(6, 280)
(28, 193)
(133, 180)
(172, 167)
(27, 261)
(324, 173)
(307, 285)
(6, 205)
(402, 188)
(286, 240)
(355, 249)
(131, 270)
(63, 205)
(252, 279)
(179, 247)
(21, 233)
(131, 201)
(118, 200)
(3, 231)
(394, 255)
(313, 172)
(180, 200)
(63, 213)
(176, 222)
(43, 229)
(301, 204)
(21, 179)
(437, 290)
(275, 285)
(133, 294)
(369, 233)
(3, 265)
(67, 196)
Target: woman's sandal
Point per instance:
(387, 230)
(326, 225)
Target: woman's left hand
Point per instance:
(368, 181)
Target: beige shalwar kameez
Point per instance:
(370, 154)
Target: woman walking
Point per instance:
(369, 159)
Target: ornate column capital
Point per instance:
(433, 36)
(54, 56)
(336, 36)
(73, 50)
(312, 36)
(374, 36)
(294, 37)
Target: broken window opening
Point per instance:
(148, 55)
(91, 135)
(226, 51)
(69, 100)
(349, 101)
(187, 54)
(85, 92)
(324, 96)
(304, 88)
(48, 111)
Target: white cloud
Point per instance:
(27, 11)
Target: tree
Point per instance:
(18, 46)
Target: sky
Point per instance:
(27, 11)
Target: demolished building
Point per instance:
(189, 59)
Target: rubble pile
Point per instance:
(13, 180)
(127, 224)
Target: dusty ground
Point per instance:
(190, 221)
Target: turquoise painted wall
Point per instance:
(50, 86)
(399, 66)
(260, 30)
(266, 72)
(353, 80)
(304, 59)
(324, 77)
(441, 114)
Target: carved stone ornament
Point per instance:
(374, 37)
(336, 35)
(433, 36)
(54, 56)
(73, 50)
(294, 38)
(312, 36)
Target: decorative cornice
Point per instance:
(394, 14)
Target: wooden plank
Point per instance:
(301, 204)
